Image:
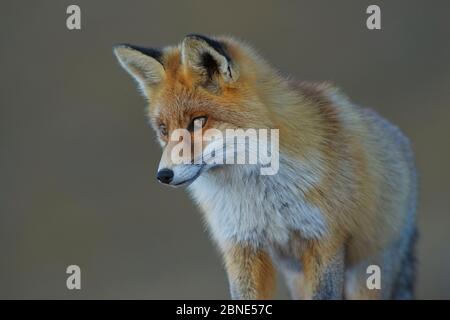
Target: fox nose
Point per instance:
(165, 175)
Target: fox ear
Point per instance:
(143, 64)
(208, 58)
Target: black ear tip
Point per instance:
(215, 44)
(200, 37)
(195, 35)
(129, 46)
(151, 52)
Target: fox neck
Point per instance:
(306, 172)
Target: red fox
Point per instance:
(343, 198)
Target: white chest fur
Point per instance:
(242, 206)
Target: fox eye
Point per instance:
(163, 130)
(199, 121)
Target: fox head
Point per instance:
(203, 83)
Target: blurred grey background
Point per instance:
(78, 160)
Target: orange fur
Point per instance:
(365, 180)
(252, 269)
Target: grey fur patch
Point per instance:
(404, 288)
(330, 284)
